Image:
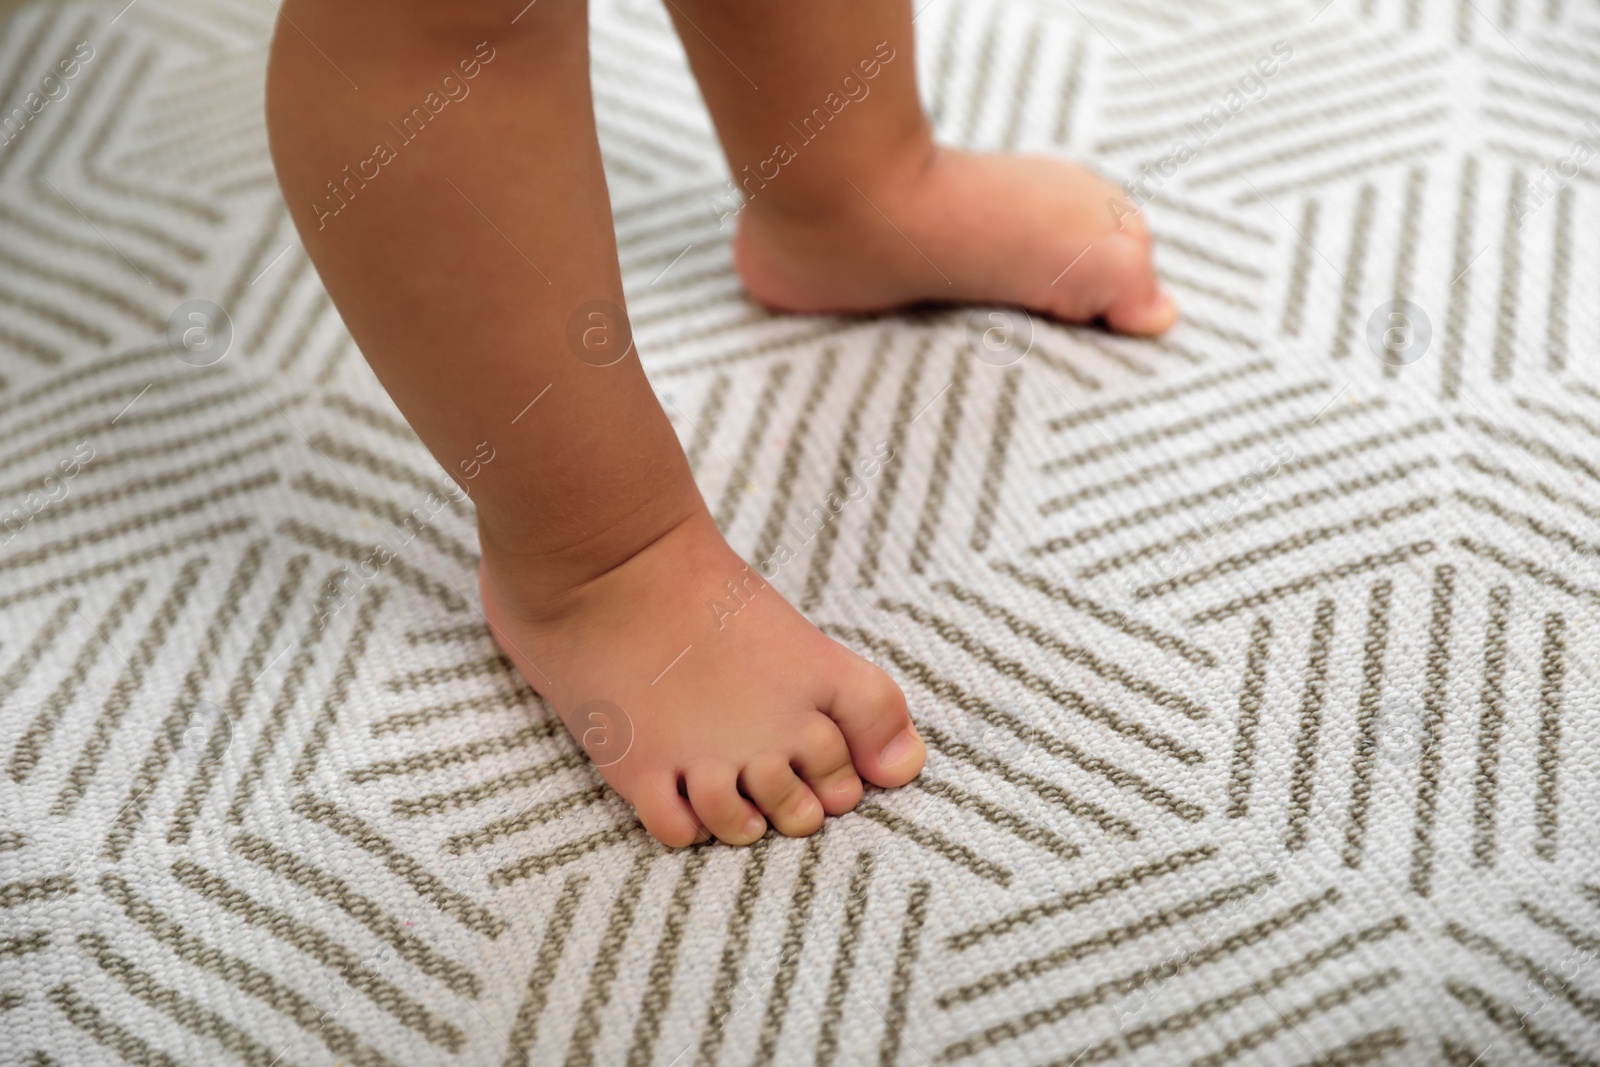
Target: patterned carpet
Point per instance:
(1253, 662)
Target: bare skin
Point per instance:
(867, 213)
(461, 262)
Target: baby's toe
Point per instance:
(823, 760)
(714, 793)
(1124, 290)
(787, 802)
(871, 712)
(665, 813)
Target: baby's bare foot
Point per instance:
(964, 227)
(732, 717)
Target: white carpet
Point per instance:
(1255, 671)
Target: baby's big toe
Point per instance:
(1128, 296)
(1144, 315)
(871, 712)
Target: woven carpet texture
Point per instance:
(1253, 662)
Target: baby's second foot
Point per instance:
(708, 703)
(963, 227)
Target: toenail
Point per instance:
(755, 827)
(900, 748)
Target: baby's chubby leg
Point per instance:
(849, 204)
(441, 164)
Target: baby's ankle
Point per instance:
(795, 197)
(539, 580)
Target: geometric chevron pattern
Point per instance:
(1255, 668)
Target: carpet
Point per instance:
(1252, 661)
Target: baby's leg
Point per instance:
(467, 246)
(850, 207)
